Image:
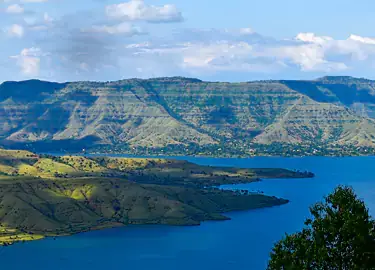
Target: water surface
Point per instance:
(241, 243)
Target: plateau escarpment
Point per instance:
(179, 115)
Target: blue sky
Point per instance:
(283, 18)
(238, 40)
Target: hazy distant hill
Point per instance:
(174, 112)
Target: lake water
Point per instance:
(241, 243)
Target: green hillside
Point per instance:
(50, 196)
(331, 115)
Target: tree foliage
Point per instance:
(340, 235)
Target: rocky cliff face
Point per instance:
(178, 111)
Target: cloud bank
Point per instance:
(135, 39)
(138, 10)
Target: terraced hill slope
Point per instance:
(172, 114)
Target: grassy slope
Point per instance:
(66, 195)
(140, 170)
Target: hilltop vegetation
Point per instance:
(332, 115)
(43, 195)
(140, 170)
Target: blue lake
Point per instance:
(241, 243)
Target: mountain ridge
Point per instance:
(177, 112)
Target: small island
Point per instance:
(48, 196)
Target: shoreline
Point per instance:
(44, 195)
(164, 156)
(221, 218)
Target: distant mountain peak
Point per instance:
(27, 90)
(175, 78)
(341, 79)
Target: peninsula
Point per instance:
(42, 195)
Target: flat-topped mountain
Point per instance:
(175, 114)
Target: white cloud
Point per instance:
(16, 30)
(362, 39)
(122, 28)
(23, 1)
(47, 18)
(309, 57)
(305, 53)
(29, 61)
(197, 52)
(84, 66)
(247, 31)
(34, 1)
(207, 58)
(222, 55)
(139, 10)
(311, 37)
(15, 9)
(355, 48)
(45, 23)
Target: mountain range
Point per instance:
(176, 114)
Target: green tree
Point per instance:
(340, 236)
